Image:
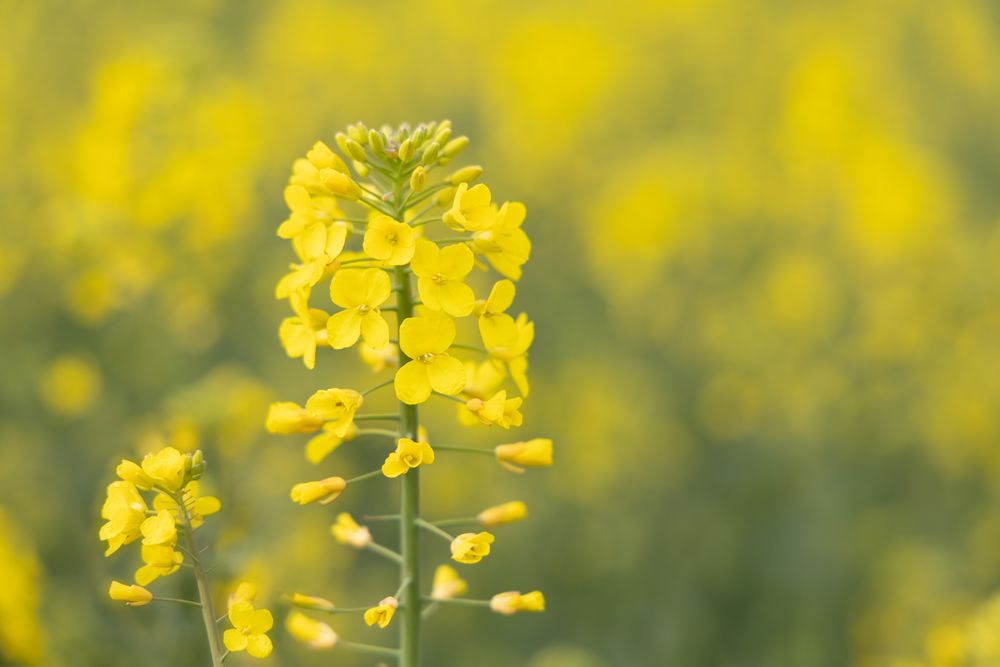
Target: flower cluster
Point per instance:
(387, 240)
(176, 508)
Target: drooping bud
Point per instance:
(503, 514)
(466, 174)
(325, 491)
(132, 595)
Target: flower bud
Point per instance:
(322, 157)
(325, 491)
(406, 150)
(132, 472)
(466, 174)
(403, 132)
(511, 602)
(533, 453)
(501, 514)
(360, 168)
(430, 153)
(471, 547)
(311, 602)
(358, 132)
(447, 583)
(340, 183)
(418, 179)
(355, 150)
(347, 531)
(446, 196)
(313, 633)
(454, 147)
(443, 135)
(342, 140)
(376, 141)
(419, 135)
(132, 595)
(287, 417)
(383, 613)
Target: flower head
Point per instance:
(505, 244)
(447, 583)
(359, 292)
(125, 511)
(312, 602)
(198, 507)
(408, 455)
(167, 468)
(389, 241)
(511, 602)
(249, 631)
(158, 561)
(383, 613)
(471, 209)
(471, 547)
(287, 417)
(441, 274)
(130, 471)
(325, 491)
(132, 595)
(425, 340)
(530, 454)
(315, 226)
(300, 333)
(498, 410)
(510, 512)
(347, 531)
(309, 631)
(159, 529)
(507, 342)
(336, 407)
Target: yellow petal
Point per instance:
(343, 329)
(259, 646)
(234, 640)
(446, 374)
(412, 384)
(375, 330)
(455, 261)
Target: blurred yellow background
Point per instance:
(765, 281)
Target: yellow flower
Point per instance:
(299, 333)
(249, 630)
(336, 407)
(471, 209)
(167, 468)
(198, 507)
(321, 157)
(159, 529)
(347, 531)
(498, 410)
(379, 359)
(315, 226)
(311, 632)
(131, 472)
(389, 241)
(245, 592)
(339, 183)
(505, 244)
(287, 417)
(319, 446)
(512, 602)
(132, 595)
(471, 547)
(325, 491)
(508, 343)
(493, 320)
(447, 583)
(359, 292)
(312, 602)
(382, 614)
(498, 515)
(124, 510)
(301, 277)
(440, 273)
(531, 454)
(425, 340)
(408, 454)
(159, 561)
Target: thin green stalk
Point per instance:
(470, 450)
(367, 475)
(378, 386)
(362, 418)
(465, 602)
(384, 552)
(434, 529)
(192, 603)
(367, 648)
(459, 521)
(409, 510)
(204, 594)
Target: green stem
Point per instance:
(378, 386)
(465, 602)
(378, 431)
(192, 603)
(434, 529)
(367, 648)
(450, 397)
(204, 594)
(471, 450)
(363, 418)
(384, 552)
(460, 521)
(409, 510)
(367, 475)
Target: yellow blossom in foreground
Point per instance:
(359, 292)
(315, 226)
(166, 468)
(159, 529)
(312, 602)
(498, 410)
(301, 277)
(505, 244)
(299, 334)
(198, 507)
(511, 602)
(336, 407)
(471, 547)
(130, 471)
(347, 531)
(510, 512)
(311, 632)
(471, 209)
(425, 340)
(447, 583)
(389, 241)
(530, 454)
(325, 491)
(441, 274)
(124, 510)
(159, 561)
(319, 446)
(492, 311)
(408, 455)
(383, 613)
(132, 595)
(287, 417)
(339, 183)
(249, 630)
